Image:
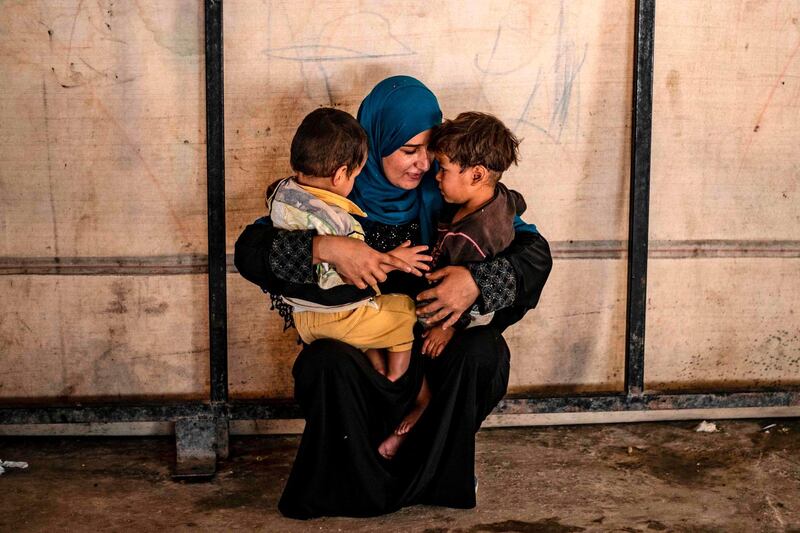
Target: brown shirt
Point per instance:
(480, 235)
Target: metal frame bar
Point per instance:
(215, 157)
(632, 399)
(639, 197)
(255, 410)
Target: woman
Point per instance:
(349, 407)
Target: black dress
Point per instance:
(350, 409)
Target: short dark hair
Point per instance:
(476, 139)
(327, 139)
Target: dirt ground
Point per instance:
(632, 477)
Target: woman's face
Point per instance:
(405, 166)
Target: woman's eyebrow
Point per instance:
(413, 145)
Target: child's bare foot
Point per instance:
(410, 420)
(390, 445)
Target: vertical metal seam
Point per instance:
(639, 209)
(215, 171)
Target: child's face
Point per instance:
(457, 185)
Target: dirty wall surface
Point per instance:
(103, 191)
(103, 200)
(724, 270)
(557, 73)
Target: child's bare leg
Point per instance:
(391, 444)
(423, 399)
(397, 364)
(376, 358)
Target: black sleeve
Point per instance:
(251, 255)
(530, 264)
(497, 282)
(288, 276)
(529, 254)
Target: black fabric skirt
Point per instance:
(350, 409)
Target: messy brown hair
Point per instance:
(474, 138)
(326, 140)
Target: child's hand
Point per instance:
(436, 339)
(412, 255)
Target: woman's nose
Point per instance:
(423, 160)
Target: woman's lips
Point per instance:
(414, 177)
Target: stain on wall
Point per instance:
(558, 73)
(102, 162)
(724, 182)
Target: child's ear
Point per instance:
(479, 174)
(340, 175)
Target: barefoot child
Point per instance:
(328, 151)
(477, 221)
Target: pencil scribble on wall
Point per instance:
(334, 41)
(548, 110)
(567, 64)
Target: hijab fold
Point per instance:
(396, 110)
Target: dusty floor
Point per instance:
(634, 477)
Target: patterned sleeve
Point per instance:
(290, 257)
(497, 282)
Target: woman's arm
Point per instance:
(275, 259)
(509, 284)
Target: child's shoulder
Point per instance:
(512, 199)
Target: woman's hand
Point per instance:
(412, 255)
(356, 262)
(455, 293)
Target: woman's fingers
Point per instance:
(451, 321)
(372, 281)
(353, 259)
(439, 316)
(455, 292)
(428, 310)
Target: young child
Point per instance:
(477, 221)
(328, 151)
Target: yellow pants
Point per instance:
(390, 326)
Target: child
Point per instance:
(477, 221)
(328, 151)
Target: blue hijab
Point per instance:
(396, 110)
